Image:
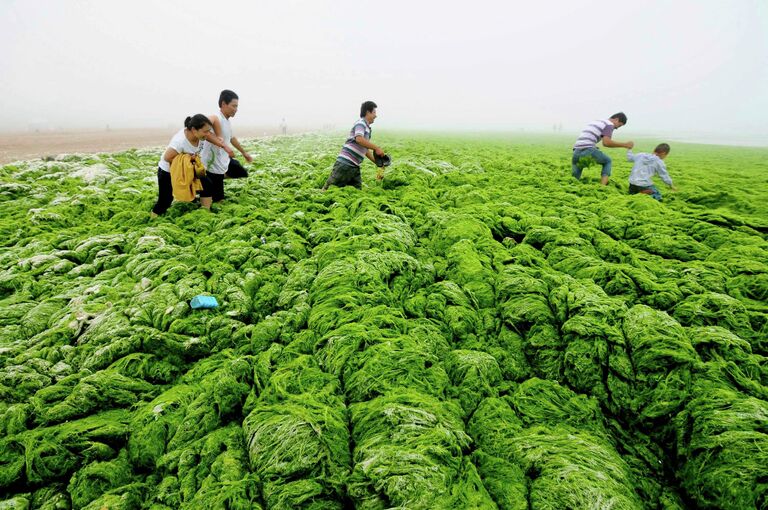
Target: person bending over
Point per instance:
(586, 145)
(645, 167)
(187, 141)
(346, 169)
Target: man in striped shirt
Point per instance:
(586, 145)
(346, 170)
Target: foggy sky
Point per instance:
(679, 66)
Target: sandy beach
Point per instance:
(31, 145)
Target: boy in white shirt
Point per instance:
(646, 165)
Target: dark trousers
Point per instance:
(234, 171)
(344, 174)
(645, 190)
(165, 191)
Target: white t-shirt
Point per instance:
(215, 159)
(180, 144)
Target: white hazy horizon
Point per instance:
(688, 69)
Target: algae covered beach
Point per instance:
(476, 330)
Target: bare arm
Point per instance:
(608, 142)
(236, 144)
(360, 139)
(214, 137)
(216, 140)
(170, 154)
(369, 155)
(216, 123)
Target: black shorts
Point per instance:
(165, 190)
(217, 186)
(234, 171)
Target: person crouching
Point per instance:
(186, 141)
(645, 167)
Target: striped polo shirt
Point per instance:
(353, 152)
(593, 133)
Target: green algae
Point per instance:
(477, 330)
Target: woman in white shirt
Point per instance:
(186, 141)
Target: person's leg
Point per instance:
(605, 161)
(236, 170)
(349, 175)
(331, 179)
(164, 193)
(575, 170)
(217, 186)
(336, 177)
(643, 190)
(356, 179)
(205, 194)
(655, 193)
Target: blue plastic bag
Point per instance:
(203, 302)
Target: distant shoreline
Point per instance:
(720, 141)
(32, 145)
(39, 144)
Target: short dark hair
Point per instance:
(227, 96)
(620, 117)
(366, 107)
(662, 148)
(197, 121)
